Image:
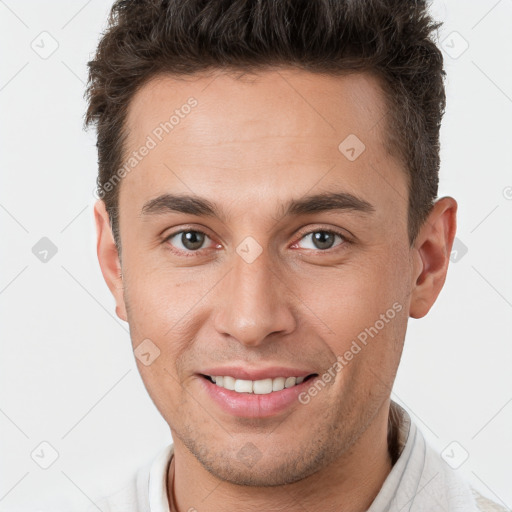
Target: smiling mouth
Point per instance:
(257, 387)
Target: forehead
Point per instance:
(285, 102)
(286, 127)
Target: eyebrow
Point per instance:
(194, 205)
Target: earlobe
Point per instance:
(433, 248)
(108, 257)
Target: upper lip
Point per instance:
(245, 373)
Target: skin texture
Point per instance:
(250, 145)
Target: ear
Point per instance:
(108, 257)
(432, 250)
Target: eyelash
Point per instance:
(189, 253)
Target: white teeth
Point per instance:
(278, 383)
(289, 382)
(243, 386)
(258, 387)
(229, 383)
(262, 387)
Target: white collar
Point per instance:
(152, 483)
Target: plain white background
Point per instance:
(68, 375)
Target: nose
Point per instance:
(254, 302)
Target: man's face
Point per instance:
(259, 290)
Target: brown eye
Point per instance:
(322, 239)
(187, 240)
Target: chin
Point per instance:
(248, 466)
(262, 476)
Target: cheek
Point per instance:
(157, 296)
(350, 296)
(162, 310)
(360, 310)
(168, 308)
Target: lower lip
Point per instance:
(250, 405)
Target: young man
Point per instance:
(267, 224)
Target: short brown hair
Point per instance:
(391, 39)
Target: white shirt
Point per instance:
(419, 481)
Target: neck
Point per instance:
(349, 484)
